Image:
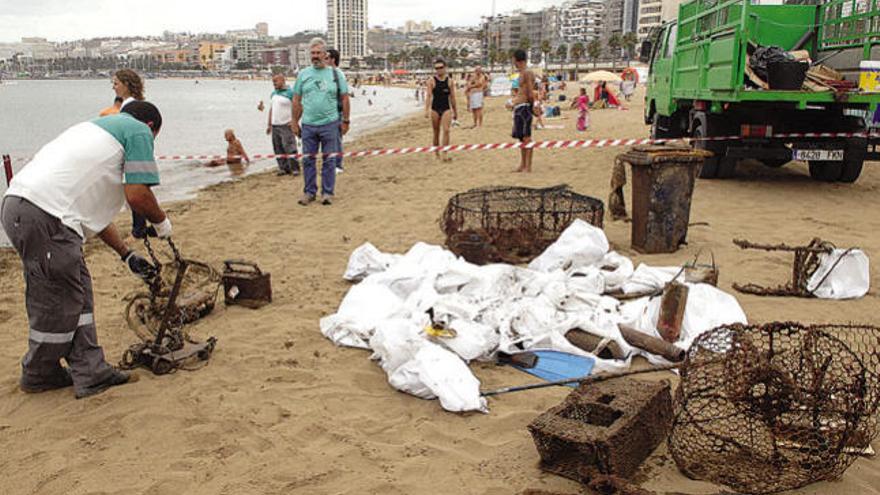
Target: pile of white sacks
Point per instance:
(502, 308)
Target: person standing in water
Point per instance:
(440, 105)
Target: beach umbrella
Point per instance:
(600, 76)
(632, 72)
(400, 72)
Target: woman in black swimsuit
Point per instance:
(440, 104)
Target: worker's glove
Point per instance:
(148, 231)
(163, 230)
(139, 266)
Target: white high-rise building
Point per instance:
(347, 27)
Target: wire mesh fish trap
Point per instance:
(513, 224)
(197, 297)
(767, 408)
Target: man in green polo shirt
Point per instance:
(317, 95)
(70, 191)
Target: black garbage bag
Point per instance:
(764, 56)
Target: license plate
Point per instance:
(819, 155)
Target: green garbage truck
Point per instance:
(701, 84)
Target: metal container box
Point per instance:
(245, 285)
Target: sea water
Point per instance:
(195, 114)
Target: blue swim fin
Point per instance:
(556, 365)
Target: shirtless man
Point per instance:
(234, 154)
(523, 104)
(476, 88)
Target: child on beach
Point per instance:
(582, 103)
(234, 154)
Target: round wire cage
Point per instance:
(767, 408)
(513, 224)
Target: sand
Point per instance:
(280, 410)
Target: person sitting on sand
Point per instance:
(234, 154)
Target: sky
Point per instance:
(65, 20)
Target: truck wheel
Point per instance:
(656, 131)
(710, 165)
(826, 171)
(775, 162)
(853, 159)
(727, 167)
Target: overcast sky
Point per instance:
(63, 20)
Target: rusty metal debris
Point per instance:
(244, 284)
(767, 408)
(513, 224)
(197, 296)
(701, 273)
(806, 262)
(609, 427)
(182, 292)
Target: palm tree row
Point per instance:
(618, 45)
(424, 56)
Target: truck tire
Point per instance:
(855, 151)
(775, 162)
(710, 165)
(657, 131)
(853, 159)
(826, 171)
(718, 166)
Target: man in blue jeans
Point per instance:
(316, 95)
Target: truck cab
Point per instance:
(702, 87)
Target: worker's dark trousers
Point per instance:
(58, 298)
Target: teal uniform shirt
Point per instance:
(320, 95)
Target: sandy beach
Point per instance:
(281, 410)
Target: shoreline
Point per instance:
(172, 204)
(280, 409)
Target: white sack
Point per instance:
(364, 307)
(367, 260)
(396, 341)
(472, 340)
(616, 269)
(850, 279)
(449, 378)
(580, 244)
(647, 278)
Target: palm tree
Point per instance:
(594, 49)
(562, 53)
(463, 54)
(546, 48)
(630, 40)
(577, 53)
(615, 42)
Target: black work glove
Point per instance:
(143, 233)
(139, 266)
